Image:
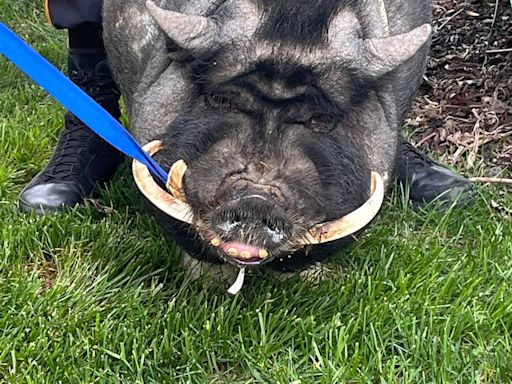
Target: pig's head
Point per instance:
(275, 156)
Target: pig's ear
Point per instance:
(380, 56)
(196, 34)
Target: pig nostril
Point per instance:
(276, 231)
(270, 224)
(276, 236)
(228, 226)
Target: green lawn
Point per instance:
(423, 297)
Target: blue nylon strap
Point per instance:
(73, 98)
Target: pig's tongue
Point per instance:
(245, 253)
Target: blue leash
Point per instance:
(74, 99)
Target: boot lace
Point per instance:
(78, 146)
(413, 157)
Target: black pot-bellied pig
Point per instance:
(278, 119)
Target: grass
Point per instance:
(423, 297)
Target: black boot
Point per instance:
(427, 180)
(82, 160)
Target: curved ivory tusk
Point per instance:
(354, 221)
(160, 198)
(175, 180)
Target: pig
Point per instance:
(279, 120)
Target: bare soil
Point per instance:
(464, 109)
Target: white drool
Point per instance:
(238, 284)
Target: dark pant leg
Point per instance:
(71, 13)
(82, 19)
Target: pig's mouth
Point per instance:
(239, 253)
(174, 203)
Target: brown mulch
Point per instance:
(464, 109)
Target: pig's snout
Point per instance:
(254, 220)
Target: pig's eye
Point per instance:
(220, 101)
(321, 123)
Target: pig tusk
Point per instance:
(353, 222)
(175, 180)
(161, 199)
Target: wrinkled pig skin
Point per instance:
(278, 108)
